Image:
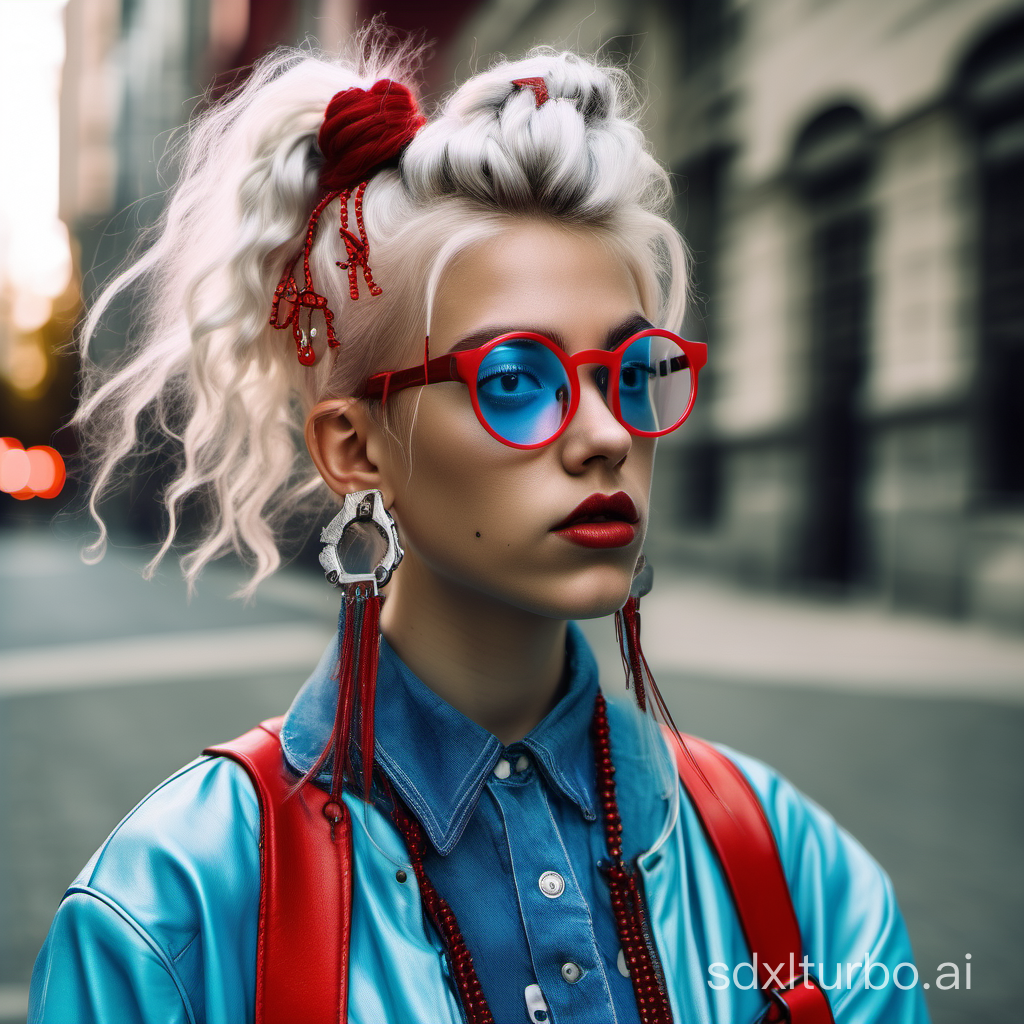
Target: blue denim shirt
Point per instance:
(499, 819)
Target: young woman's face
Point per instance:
(503, 521)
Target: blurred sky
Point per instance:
(35, 259)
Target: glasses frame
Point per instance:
(462, 368)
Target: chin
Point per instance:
(589, 595)
(553, 592)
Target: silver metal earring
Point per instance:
(350, 556)
(643, 578)
(346, 540)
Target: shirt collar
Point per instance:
(436, 758)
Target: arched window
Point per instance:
(831, 168)
(991, 96)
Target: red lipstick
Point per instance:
(601, 521)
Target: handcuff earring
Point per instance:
(360, 552)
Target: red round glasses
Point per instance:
(525, 389)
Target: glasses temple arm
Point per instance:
(437, 370)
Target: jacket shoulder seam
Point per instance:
(162, 955)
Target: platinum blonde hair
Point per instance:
(204, 366)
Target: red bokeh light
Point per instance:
(36, 473)
(47, 473)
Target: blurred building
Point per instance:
(850, 176)
(38, 295)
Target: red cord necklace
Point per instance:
(627, 900)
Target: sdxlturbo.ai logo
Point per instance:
(871, 974)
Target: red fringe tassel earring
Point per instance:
(638, 672)
(350, 537)
(627, 631)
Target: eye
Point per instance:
(509, 383)
(634, 376)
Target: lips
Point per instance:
(601, 521)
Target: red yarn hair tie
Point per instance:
(363, 131)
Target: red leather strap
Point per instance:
(741, 837)
(305, 889)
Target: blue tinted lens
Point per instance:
(654, 384)
(523, 391)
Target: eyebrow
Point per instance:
(630, 326)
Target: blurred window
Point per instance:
(698, 215)
(992, 97)
(831, 167)
(703, 27)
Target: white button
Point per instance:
(621, 964)
(571, 972)
(523, 763)
(535, 1005)
(502, 769)
(552, 884)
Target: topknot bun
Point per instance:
(578, 156)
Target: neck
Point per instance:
(499, 665)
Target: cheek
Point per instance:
(643, 458)
(457, 479)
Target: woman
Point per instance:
(499, 870)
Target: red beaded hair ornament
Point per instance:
(363, 131)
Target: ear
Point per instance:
(338, 436)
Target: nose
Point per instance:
(593, 433)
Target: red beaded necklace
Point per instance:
(627, 900)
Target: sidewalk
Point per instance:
(712, 630)
(65, 625)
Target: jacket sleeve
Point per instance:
(854, 933)
(98, 966)
(160, 926)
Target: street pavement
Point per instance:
(910, 731)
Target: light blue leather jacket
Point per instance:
(160, 926)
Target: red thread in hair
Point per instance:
(537, 85)
(363, 130)
(358, 249)
(306, 296)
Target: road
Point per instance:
(910, 732)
